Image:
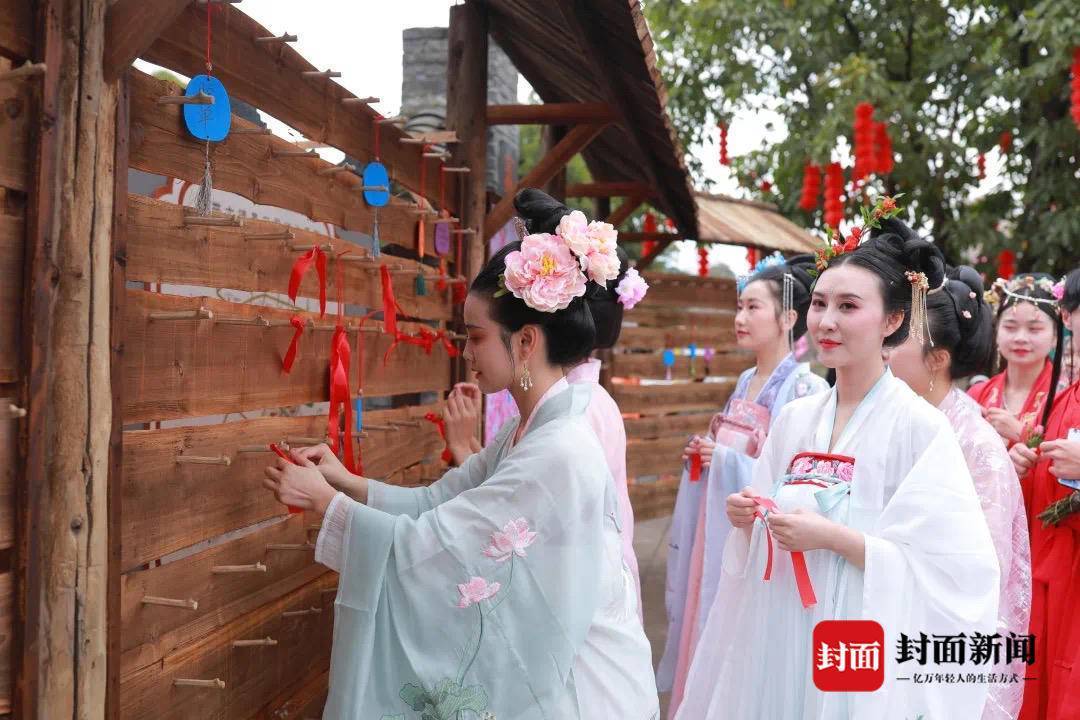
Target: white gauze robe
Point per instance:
(560, 638)
(930, 567)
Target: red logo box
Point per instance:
(848, 656)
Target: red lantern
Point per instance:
(751, 257)
(1005, 142)
(724, 159)
(834, 187)
(766, 186)
(1075, 95)
(883, 154)
(980, 162)
(647, 247)
(811, 186)
(864, 141)
(649, 223)
(703, 261)
(1006, 264)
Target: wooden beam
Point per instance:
(609, 189)
(551, 114)
(625, 210)
(648, 259)
(630, 236)
(131, 27)
(551, 135)
(575, 141)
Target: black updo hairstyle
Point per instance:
(1071, 299)
(542, 214)
(1034, 292)
(961, 322)
(799, 268)
(892, 250)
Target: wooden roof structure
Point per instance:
(601, 51)
(724, 219)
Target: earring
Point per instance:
(526, 379)
(931, 383)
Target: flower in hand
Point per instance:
(801, 530)
(299, 485)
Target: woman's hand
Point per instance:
(801, 530)
(741, 508)
(1003, 421)
(462, 418)
(1064, 456)
(1023, 458)
(299, 485)
(327, 463)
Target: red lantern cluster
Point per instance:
(1075, 95)
(811, 186)
(834, 188)
(1006, 264)
(724, 159)
(883, 154)
(702, 261)
(980, 163)
(865, 157)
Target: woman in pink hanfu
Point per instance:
(961, 326)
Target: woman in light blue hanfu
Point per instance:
(500, 591)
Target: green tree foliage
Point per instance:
(947, 76)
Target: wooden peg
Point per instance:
(257, 320)
(286, 38)
(464, 231)
(278, 235)
(456, 170)
(26, 70)
(333, 170)
(14, 411)
(266, 641)
(198, 314)
(359, 101)
(297, 440)
(290, 546)
(250, 131)
(446, 220)
(360, 435)
(457, 336)
(227, 221)
(298, 613)
(398, 120)
(304, 247)
(405, 423)
(200, 98)
(320, 74)
(171, 602)
(216, 683)
(203, 460)
(382, 428)
(435, 154)
(227, 569)
(254, 449)
(357, 258)
(274, 152)
(424, 211)
(375, 188)
(327, 591)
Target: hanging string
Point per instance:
(203, 199)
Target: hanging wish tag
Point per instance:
(210, 122)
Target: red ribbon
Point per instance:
(695, 466)
(339, 380)
(390, 306)
(298, 322)
(301, 266)
(440, 425)
(798, 559)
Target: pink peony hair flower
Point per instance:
(475, 590)
(631, 289)
(574, 230)
(544, 273)
(1058, 291)
(601, 267)
(512, 540)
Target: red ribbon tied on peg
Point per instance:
(695, 466)
(440, 425)
(339, 395)
(798, 560)
(301, 266)
(298, 322)
(390, 306)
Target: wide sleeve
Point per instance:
(930, 567)
(397, 500)
(483, 601)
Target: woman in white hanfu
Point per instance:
(961, 327)
(769, 318)
(500, 591)
(868, 507)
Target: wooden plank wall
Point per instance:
(661, 411)
(179, 521)
(16, 160)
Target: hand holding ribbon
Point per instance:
(794, 532)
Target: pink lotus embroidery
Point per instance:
(475, 590)
(512, 540)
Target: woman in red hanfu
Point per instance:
(1053, 475)
(1028, 328)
